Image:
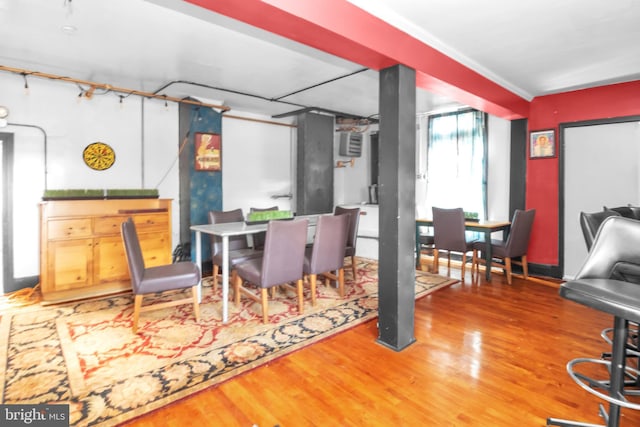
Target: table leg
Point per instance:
(487, 255)
(199, 262)
(225, 278)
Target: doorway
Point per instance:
(601, 167)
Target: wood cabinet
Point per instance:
(81, 250)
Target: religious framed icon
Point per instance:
(542, 144)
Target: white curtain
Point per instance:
(456, 153)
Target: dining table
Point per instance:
(224, 231)
(488, 227)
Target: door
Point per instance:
(601, 168)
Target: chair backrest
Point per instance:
(448, 229)
(283, 256)
(590, 223)
(329, 244)
(614, 253)
(624, 211)
(135, 260)
(518, 240)
(354, 218)
(235, 242)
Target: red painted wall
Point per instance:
(547, 112)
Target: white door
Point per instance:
(601, 165)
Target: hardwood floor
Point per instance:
(486, 354)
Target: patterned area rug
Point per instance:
(85, 354)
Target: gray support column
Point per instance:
(314, 176)
(396, 273)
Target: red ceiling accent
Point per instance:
(342, 29)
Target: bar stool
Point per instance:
(617, 244)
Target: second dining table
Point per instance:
(487, 227)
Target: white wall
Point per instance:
(145, 143)
(499, 157)
(258, 164)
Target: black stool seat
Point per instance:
(622, 300)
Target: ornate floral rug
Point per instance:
(85, 354)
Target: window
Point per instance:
(456, 162)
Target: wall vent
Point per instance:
(350, 144)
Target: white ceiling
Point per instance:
(531, 48)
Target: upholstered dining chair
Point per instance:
(352, 234)
(281, 264)
(590, 223)
(258, 238)
(325, 256)
(449, 235)
(162, 278)
(515, 246)
(239, 249)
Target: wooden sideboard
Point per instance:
(81, 250)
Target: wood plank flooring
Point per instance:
(486, 354)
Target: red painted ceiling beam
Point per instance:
(340, 28)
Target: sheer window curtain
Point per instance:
(456, 162)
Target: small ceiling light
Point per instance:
(69, 29)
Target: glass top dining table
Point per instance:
(485, 226)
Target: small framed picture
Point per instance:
(542, 144)
(207, 152)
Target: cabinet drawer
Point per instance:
(151, 222)
(108, 224)
(69, 228)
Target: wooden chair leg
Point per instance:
(353, 266)
(312, 285)
(136, 312)
(300, 289)
(507, 268)
(264, 295)
(216, 269)
(436, 261)
(341, 282)
(525, 266)
(234, 275)
(448, 262)
(196, 304)
(464, 263)
(236, 289)
(474, 263)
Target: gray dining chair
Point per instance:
(157, 279)
(352, 234)
(515, 246)
(280, 265)
(325, 256)
(239, 249)
(449, 235)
